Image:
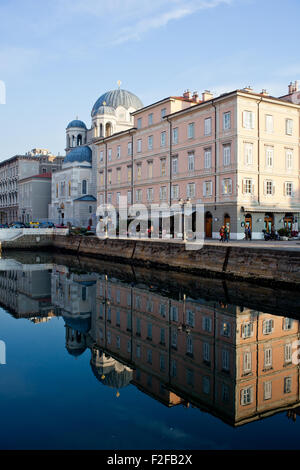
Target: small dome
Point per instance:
(76, 352)
(106, 110)
(113, 378)
(115, 98)
(79, 154)
(82, 325)
(76, 123)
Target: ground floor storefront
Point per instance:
(259, 220)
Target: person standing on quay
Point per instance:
(222, 233)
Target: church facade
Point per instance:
(74, 187)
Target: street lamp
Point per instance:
(182, 203)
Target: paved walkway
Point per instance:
(293, 245)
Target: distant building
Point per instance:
(18, 168)
(35, 197)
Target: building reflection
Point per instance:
(230, 361)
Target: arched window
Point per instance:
(68, 141)
(95, 130)
(69, 191)
(84, 187)
(73, 140)
(107, 129)
(79, 139)
(101, 130)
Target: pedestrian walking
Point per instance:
(222, 234)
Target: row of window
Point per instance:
(249, 122)
(163, 112)
(268, 188)
(61, 188)
(268, 358)
(247, 393)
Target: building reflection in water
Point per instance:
(232, 362)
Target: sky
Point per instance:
(58, 56)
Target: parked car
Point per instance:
(4, 226)
(34, 224)
(17, 225)
(46, 225)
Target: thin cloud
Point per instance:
(183, 9)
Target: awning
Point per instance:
(274, 210)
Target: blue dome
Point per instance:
(82, 325)
(106, 110)
(79, 154)
(115, 98)
(76, 123)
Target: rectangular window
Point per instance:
(175, 191)
(174, 313)
(109, 176)
(101, 156)
(173, 368)
(139, 145)
(225, 329)
(287, 385)
(246, 396)
(109, 155)
(248, 120)
(150, 142)
(162, 362)
(129, 197)
(174, 335)
(206, 352)
(225, 360)
(289, 159)
(207, 324)
(162, 310)
(119, 151)
(162, 336)
(247, 362)
(190, 377)
(118, 175)
(226, 154)
(225, 392)
(139, 123)
(288, 353)
(138, 350)
(118, 197)
(163, 113)
(149, 331)
(138, 326)
(190, 190)
(138, 195)
(248, 186)
(163, 137)
(269, 157)
(207, 126)
(139, 171)
(207, 158)
(174, 165)
(268, 357)
(247, 330)
(269, 188)
(129, 148)
(163, 193)
(101, 178)
(207, 188)
(149, 194)
(129, 171)
(226, 120)
(248, 150)
(150, 119)
(191, 161)
(287, 323)
(267, 390)
(289, 191)
(191, 130)
(149, 356)
(150, 170)
(289, 123)
(268, 326)
(129, 346)
(175, 136)
(163, 167)
(269, 124)
(227, 186)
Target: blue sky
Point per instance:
(58, 56)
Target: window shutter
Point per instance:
(251, 328)
(293, 190)
(272, 323)
(223, 187)
(252, 188)
(265, 187)
(244, 119)
(252, 120)
(244, 187)
(242, 330)
(273, 188)
(284, 189)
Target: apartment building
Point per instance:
(18, 168)
(237, 154)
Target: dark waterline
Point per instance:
(71, 380)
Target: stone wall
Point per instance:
(267, 266)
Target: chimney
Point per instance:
(187, 94)
(196, 96)
(248, 88)
(207, 95)
(296, 87)
(291, 88)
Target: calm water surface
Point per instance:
(100, 356)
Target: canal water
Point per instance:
(96, 355)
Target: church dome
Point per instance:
(112, 377)
(79, 154)
(106, 110)
(82, 325)
(115, 98)
(76, 123)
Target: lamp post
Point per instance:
(182, 203)
(59, 214)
